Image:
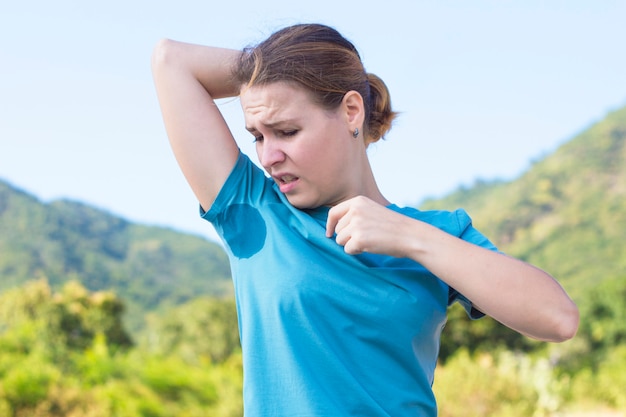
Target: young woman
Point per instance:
(341, 295)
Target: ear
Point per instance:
(353, 107)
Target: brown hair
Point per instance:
(321, 60)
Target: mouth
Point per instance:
(286, 179)
(286, 182)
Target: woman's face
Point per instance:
(309, 151)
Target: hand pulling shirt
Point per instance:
(325, 333)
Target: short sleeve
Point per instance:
(244, 185)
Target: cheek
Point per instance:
(326, 162)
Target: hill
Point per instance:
(148, 267)
(566, 214)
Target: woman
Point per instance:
(341, 295)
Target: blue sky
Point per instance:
(483, 87)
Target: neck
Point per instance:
(369, 186)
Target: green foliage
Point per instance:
(28, 380)
(499, 384)
(483, 335)
(602, 387)
(602, 327)
(96, 364)
(66, 354)
(610, 379)
(148, 267)
(33, 319)
(204, 329)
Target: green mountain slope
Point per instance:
(148, 267)
(567, 213)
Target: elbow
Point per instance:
(566, 324)
(162, 53)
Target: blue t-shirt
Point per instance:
(325, 333)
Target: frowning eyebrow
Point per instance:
(272, 125)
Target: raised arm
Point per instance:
(188, 78)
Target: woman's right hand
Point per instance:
(188, 78)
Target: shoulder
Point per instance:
(246, 184)
(454, 222)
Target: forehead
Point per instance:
(275, 101)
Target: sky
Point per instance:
(484, 88)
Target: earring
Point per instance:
(355, 134)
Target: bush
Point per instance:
(500, 384)
(603, 387)
(28, 382)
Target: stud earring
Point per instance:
(355, 134)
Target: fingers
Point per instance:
(347, 221)
(335, 214)
(362, 225)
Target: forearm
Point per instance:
(517, 294)
(210, 66)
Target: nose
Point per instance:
(270, 153)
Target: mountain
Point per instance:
(566, 214)
(148, 267)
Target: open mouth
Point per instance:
(286, 183)
(286, 179)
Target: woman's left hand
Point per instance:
(362, 225)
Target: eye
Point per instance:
(287, 133)
(258, 138)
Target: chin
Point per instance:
(302, 204)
